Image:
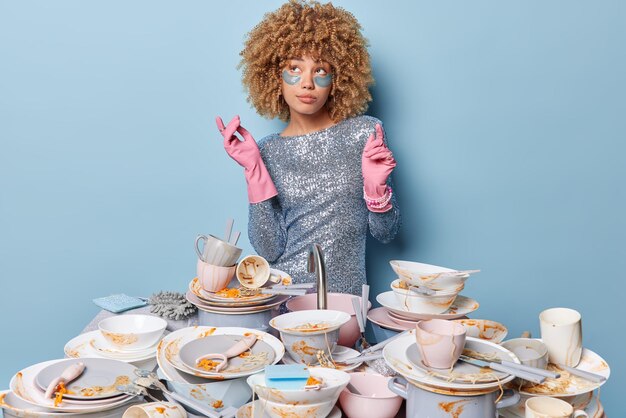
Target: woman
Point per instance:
(325, 178)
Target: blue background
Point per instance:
(506, 119)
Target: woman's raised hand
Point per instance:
(247, 154)
(377, 164)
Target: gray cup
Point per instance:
(217, 251)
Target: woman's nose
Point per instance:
(306, 82)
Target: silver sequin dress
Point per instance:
(320, 200)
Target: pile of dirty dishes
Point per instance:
(128, 338)
(188, 360)
(316, 399)
(61, 387)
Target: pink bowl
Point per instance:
(375, 400)
(349, 332)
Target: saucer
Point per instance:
(380, 317)
(83, 346)
(462, 306)
(340, 353)
(246, 411)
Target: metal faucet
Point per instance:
(316, 265)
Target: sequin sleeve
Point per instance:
(266, 229)
(384, 226)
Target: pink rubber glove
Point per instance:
(377, 164)
(246, 153)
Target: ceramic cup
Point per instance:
(374, 400)
(561, 331)
(533, 353)
(253, 271)
(217, 251)
(214, 278)
(155, 410)
(546, 407)
(440, 342)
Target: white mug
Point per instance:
(561, 332)
(155, 410)
(253, 271)
(546, 407)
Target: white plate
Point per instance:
(462, 306)
(260, 355)
(588, 402)
(570, 385)
(380, 317)
(394, 354)
(15, 407)
(99, 373)
(340, 353)
(461, 372)
(215, 300)
(235, 310)
(246, 411)
(24, 387)
(83, 346)
(106, 349)
(169, 347)
(485, 329)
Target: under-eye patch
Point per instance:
(291, 79)
(323, 81)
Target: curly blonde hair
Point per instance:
(321, 31)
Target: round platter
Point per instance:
(462, 306)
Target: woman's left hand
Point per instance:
(377, 164)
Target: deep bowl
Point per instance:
(349, 332)
(375, 399)
(312, 410)
(420, 274)
(436, 303)
(132, 332)
(333, 382)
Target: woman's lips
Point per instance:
(307, 99)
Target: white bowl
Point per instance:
(420, 274)
(334, 381)
(132, 332)
(436, 303)
(281, 410)
(304, 333)
(484, 329)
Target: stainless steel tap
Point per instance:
(316, 265)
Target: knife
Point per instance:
(531, 377)
(530, 369)
(593, 377)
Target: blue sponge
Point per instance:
(119, 303)
(286, 376)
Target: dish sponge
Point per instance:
(286, 376)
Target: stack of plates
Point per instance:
(238, 305)
(94, 390)
(93, 344)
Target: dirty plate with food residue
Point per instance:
(462, 371)
(99, 379)
(250, 361)
(569, 384)
(24, 387)
(339, 355)
(461, 306)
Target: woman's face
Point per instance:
(306, 85)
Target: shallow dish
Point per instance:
(99, 380)
(427, 275)
(266, 409)
(24, 387)
(484, 329)
(132, 332)
(235, 310)
(380, 316)
(254, 360)
(438, 302)
(214, 299)
(84, 345)
(395, 355)
(333, 382)
(462, 306)
(169, 348)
